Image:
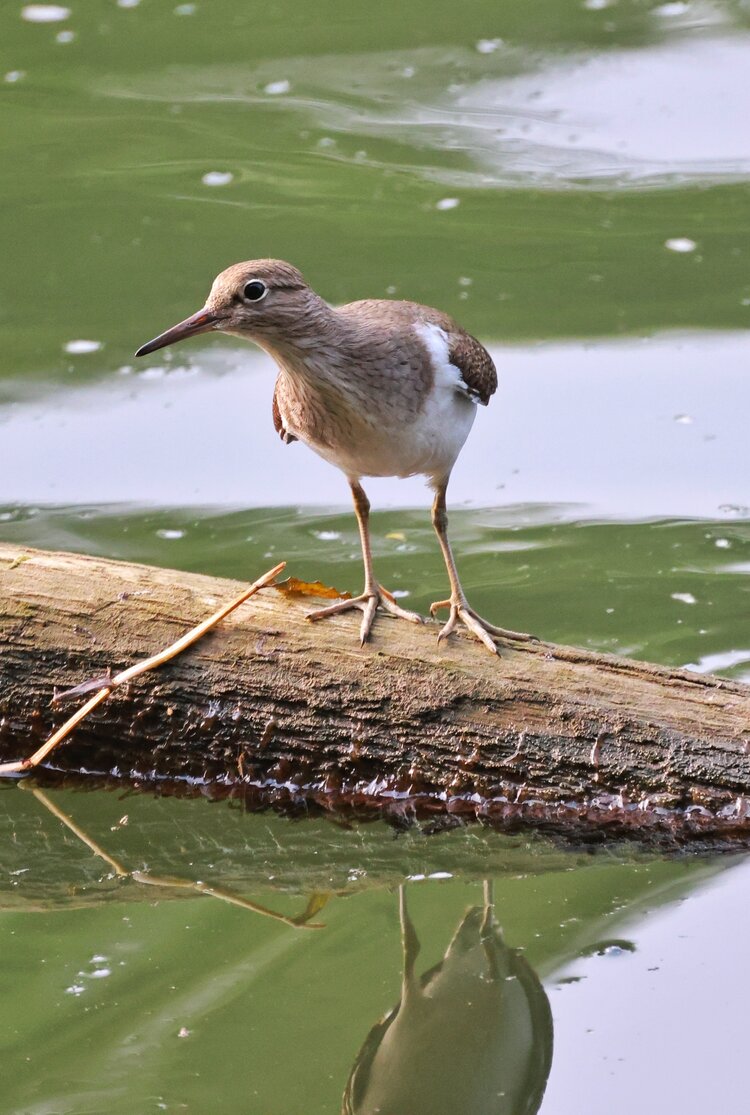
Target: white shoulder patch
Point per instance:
(436, 342)
(447, 375)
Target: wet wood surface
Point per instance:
(275, 709)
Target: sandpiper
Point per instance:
(377, 387)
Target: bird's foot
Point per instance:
(368, 603)
(461, 612)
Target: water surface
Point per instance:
(141, 995)
(568, 179)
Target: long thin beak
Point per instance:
(202, 322)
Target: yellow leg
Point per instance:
(374, 595)
(460, 610)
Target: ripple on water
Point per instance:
(500, 115)
(723, 661)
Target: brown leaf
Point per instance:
(292, 586)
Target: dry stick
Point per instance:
(133, 671)
(315, 903)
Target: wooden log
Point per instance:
(273, 709)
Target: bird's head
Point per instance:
(261, 299)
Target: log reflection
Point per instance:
(472, 1036)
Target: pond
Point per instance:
(571, 181)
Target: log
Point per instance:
(274, 710)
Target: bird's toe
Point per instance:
(446, 630)
(503, 632)
(388, 604)
(369, 609)
(334, 609)
(478, 629)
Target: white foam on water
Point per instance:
(82, 347)
(44, 13)
(217, 178)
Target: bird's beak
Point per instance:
(202, 322)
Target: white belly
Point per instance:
(381, 435)
(428, 445)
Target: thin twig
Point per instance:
(159, 659)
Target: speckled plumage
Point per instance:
(376, 387)
(363, 394)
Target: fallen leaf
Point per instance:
(397, 535)
(292, 586)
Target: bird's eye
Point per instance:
(255, 290)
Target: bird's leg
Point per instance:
(460, 609)
(374, 595)
(409, 947)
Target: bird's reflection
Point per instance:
(472, 1036)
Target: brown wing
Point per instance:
(475, 365)
(465, 352)
(278, 422)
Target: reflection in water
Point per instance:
(315, 903)
(232, 1004)
(472, 1035)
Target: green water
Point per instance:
(568, 179)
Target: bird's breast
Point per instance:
(374, 422)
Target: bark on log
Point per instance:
(272, 709)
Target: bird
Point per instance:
(378, 387)
(472, 1034)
